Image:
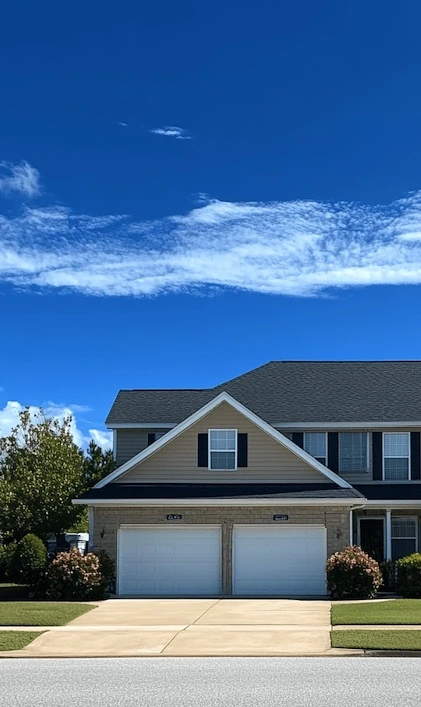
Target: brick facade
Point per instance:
(108, 520)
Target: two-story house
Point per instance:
(247, 488)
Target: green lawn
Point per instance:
(15, 640)
(400, 611)
(377, 640)
(40, 613)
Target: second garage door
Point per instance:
(288, 560)
(174, 561)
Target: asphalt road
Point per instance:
(211, 682)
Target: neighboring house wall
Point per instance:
(365, 476)
(108, 520)
(268, 460)
(130, 442)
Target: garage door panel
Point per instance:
(279, 561)
(170, 561)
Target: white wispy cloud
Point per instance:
(9, 418)
(295, 248)
(123, 124)
(21, 178)
(172, 131)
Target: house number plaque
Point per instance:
(280, 517)
(174, 516)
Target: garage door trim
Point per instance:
(167, 526)
(273, 526)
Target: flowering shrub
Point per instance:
(73, 576)
(352, 574)
(409, 575)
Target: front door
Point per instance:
(372, 537)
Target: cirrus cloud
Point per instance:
(20, 178)
(295, 248)
(172, 131)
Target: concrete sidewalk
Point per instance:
(189, 627)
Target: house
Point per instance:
(245, 489)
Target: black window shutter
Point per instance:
(202, 449)
(415, 456)
(151, 438)
(242, 445)
(333, 451)
(298, 439)
(377, 456)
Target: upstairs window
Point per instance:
(223, 450)
(353, 452)
(396, 452)
(315, 443)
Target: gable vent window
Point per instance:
(353, 449)
(315, 443)
(396, 452)
(404, 537)
(223, 450)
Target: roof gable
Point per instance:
(223, 397)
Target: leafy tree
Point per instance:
(41, 470)
(97, 464)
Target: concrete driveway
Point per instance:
(191, 627)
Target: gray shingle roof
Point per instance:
(228, 491)
(294, 391)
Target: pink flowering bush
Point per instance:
(72, 576)
(352, 574)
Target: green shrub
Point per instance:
(107, 569)
(388, 569)
(409, 575)
(72, 576)
(6, 560)
(27, 561)
(352, 574)
(2, 563)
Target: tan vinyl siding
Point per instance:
(267, 459)
(354, 477)
(362, 477)
(131, 442)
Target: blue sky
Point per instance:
(189, 190)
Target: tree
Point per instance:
(41, 471)
(97, 464)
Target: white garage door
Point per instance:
(286, 560)
(162, 560)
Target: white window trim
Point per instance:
(415, 519)
(367, 467)
(317, 432)
(222, 429)
(390, 481)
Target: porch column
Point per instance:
(388, 534)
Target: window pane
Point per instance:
(396, 444)
(401, 548)
(396, 469)
(403, 528)
(315, 444)
(352, 451)
(223, 440)
(222, 460)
